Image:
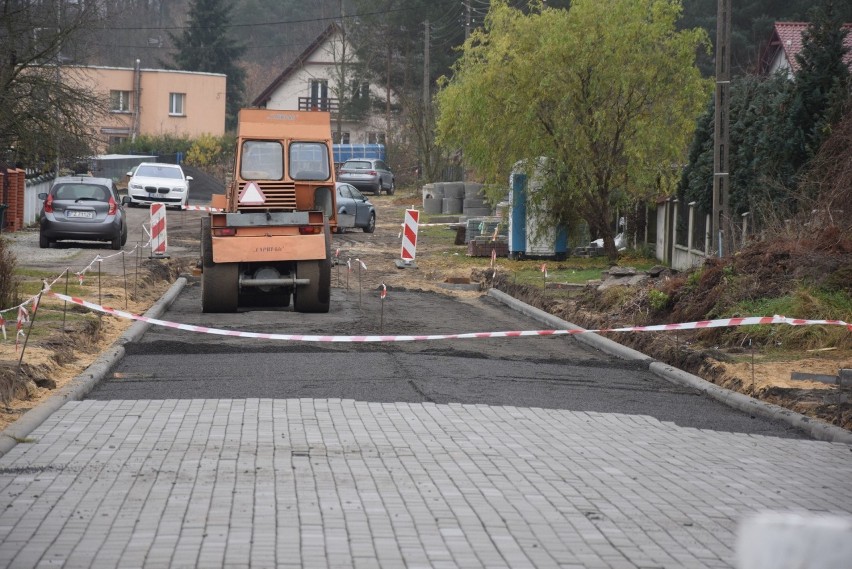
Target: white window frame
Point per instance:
(120, 101)
(375, 137)
(177, 104)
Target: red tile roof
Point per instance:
(788, 36)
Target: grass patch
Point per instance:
(804, 303)
(440, 237)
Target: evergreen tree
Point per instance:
(822, 86)
(205, 46)
(760, 173)
(751, 26)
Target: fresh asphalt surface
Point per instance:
(555, 372)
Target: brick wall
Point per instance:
(12, 183)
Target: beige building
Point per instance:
(154, 102)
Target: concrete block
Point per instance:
(777, 540)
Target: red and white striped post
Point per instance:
(409, 235)
(158, 231)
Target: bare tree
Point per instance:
(45, 109)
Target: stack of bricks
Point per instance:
(483, 248)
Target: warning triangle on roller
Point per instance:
(252, 195)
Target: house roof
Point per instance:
(297, 63)
(787, 37)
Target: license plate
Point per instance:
(83, 214)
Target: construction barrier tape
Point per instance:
(200, 208)
(723, 322)
(434, 224)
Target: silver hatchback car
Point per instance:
(82, 208)
(368, 175)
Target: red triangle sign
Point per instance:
(252, 195)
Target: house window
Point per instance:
(114, 141)
(342, 138)
(177, 103)
(375, 138)
(319, 94)
(361, 90)
(119, 101)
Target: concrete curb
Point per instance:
(815, 428)
(81, 385)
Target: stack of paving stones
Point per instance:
(484, 234)
(483, 228)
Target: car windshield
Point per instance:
(74, 192)
(357, 165)
(153, 171)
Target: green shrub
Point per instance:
(658, 300)
(162, 144)
(205, 151)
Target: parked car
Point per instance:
(368, 175)
(152, 182)
(353, 209)
(82, 208)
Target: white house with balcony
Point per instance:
(327, 76)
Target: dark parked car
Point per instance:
(82, 208)
(368, 175)
(353, 209)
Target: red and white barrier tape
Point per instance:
(200, 208)
(724, 322)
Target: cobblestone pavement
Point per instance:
(339, 483)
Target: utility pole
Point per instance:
(427, 98)
(58, 81)
(467, 19)
(721, 137)
(341, 86)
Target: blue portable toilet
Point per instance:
(528, 238)
(517, 215)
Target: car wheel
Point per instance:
(115, 244)
(392, 188)
(43, 242)
(371, 225)
(124, 238)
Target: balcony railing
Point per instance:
(319, 104)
